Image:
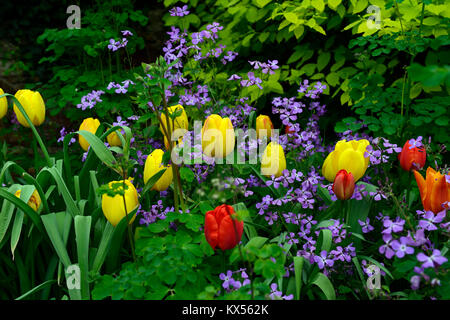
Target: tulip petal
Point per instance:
(211, 229)
(439, 193)
(230, 232)
(352, 161)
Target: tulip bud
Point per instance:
(217, 136)
(221, 229)
(180, 122)
(153, 164)
(412, 157)
(264, 127)
(344, 185)
(113, 207)
(34, 106)
(35, 200)
(350, 156)
(273, 160)
(91, 125)
(3, 104)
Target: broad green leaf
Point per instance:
(51, 226)
(325, 285)
(82, 232)
(25, 195)
(298, 269)
(7, 212)
(98, 147)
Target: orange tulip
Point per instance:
(344, 185)
(434, 190)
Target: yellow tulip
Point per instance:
(180, 122)
(114, 140)
(91, 125)
(113, 207)
(264, 127)
(153, 164)
(35, 200)
(349, 156)
(273, 160)
(33, 105)
(217, 136)
(3, 104)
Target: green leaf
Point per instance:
(98, 147)
(103, 247)
(323, 60)
(25, 195)
(63, 190)
(291, 17)
(298, 269)
(324, 241)
(24, 207)
(325, 285)
(82, 232)
(36, 289)
(187, 174)
(151, 182)
(7, 212)
(319, 5)
(51, 226)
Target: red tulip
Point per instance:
(344, 185)
(221, 229)
(412, 157)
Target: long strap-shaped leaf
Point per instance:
(325, 285)
(6, 213)
(82, 232)
(28, 178)
(24, 207)
(25, 195)
(70, 203)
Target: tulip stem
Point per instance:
(130, 233)
(33, 128)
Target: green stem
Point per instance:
(130, 233)
(33, 128)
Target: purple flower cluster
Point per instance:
(90, 100)
(199, 99)
(63, 133)
(231, 284)
(157, 212)
(120, 89)
(311, 91)
(278, 295)
(405, 245)
(179, 11)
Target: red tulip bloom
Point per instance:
(344, 185)
(221, 229)
(412, 157)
